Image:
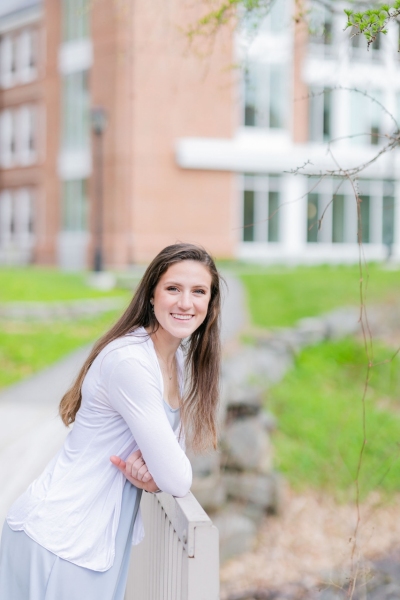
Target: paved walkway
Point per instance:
(31, 431)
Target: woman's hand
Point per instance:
(135, 470)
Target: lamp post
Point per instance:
(99, 122)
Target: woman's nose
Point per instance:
(185, 301)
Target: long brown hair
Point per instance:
(203, 349)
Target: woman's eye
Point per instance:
(172, 288)
(200, 291)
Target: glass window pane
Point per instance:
(388, 220)
(75, 111)
(248, 216)
(250, 97)
(312, 218)
(273, 217)
(320, 115)
(277, 97)
(256, 95)
(74, 205)
(364, 219)
(314, 119)
(338, 219)
(327, 115)
(75, 19)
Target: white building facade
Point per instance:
(346, 101)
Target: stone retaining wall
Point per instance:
(66, 310)
(238, 484)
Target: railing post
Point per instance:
(179, 557)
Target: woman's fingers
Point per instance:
(134, 469)
(118, 462)
(147, 477)
(141, 472)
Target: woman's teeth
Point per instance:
(181, 317)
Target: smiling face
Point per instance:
(181, 298)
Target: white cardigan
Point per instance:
(73, 508)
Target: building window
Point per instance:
(265, 95)
(359, 46)
(75, 19)
(18, 57)
(7, 138)
(321, 31)
(16, 225)
(312, 218)
(320, 111)
(74, 201)
(338, 219)
(27, 55)
(7, 61)
(261, 201)
(6, 218)
(18, 136)
(26, 122)
(75, 111)
(332, 215)
(388, 220)
(366, 117)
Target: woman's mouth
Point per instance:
(179, 317)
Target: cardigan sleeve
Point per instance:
(135, 394)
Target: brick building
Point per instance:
(130, 59)
(193, 148)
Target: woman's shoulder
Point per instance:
(136, 346)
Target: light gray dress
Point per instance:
(30, 572)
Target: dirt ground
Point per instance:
(312, 544)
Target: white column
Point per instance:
(293, 217)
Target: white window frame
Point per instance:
(7, 138)
(7, 60)
(27, 54)
(27, 116)
(263, 94)
(374, 188)
(261, 185)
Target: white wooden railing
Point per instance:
(179, 557)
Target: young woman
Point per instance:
(68, 537)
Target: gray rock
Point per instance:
(237, 533)
(342, 322)
(294, 340)
(268, 421)
(245, 397)
(254, 512)
(312, 330)
(257, 366)
(205, 464)
(209, 491)
(252, 487)
(246, 446)
(50, 311)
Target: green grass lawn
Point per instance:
(28, 347)
(278, 297)
(46, 285)
(319, 411)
